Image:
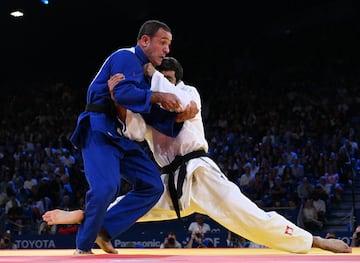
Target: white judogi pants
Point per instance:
(208, 191)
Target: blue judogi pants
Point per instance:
(106, 158)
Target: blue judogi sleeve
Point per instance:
(134, 91)
(163, 121)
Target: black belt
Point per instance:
(111, 111)
(108, 109)
(179, 161)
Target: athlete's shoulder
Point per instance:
(124, 57)
(124, 52)
(186, 87)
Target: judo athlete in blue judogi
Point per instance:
(107, 154)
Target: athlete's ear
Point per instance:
(144, 41)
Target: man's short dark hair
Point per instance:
(150, 28)
(170, 63)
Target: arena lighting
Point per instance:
(17, 13)
(19, 8)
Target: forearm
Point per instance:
(161, 84)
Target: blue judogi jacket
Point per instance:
(132, 93)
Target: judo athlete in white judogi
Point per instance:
(205, 188)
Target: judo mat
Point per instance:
(199, 255)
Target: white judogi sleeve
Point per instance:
(191, 136)
(135, 124)
(161, 84)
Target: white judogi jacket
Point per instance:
(164, 148)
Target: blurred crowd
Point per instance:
(287, 146)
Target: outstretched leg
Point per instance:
(243, 217)
(332, 244)
(57, 216)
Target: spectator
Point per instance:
(254, 167)
(197, 230)
(333, 179)
(29, 182)
(310, 218)
(245, 177)
(279, 193)
(324, 188)
(196, 241)
(305, 189)
(251, 191)
(6, 241)
(199, 226)
(297, 169)
(14, 214)
(280, 166)
(171, 241)
(67, 159)
(320, 207)
(288, 179)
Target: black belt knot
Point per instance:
(179, 161)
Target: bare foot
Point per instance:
(105, 245)
(57, 216)
(332, 244)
